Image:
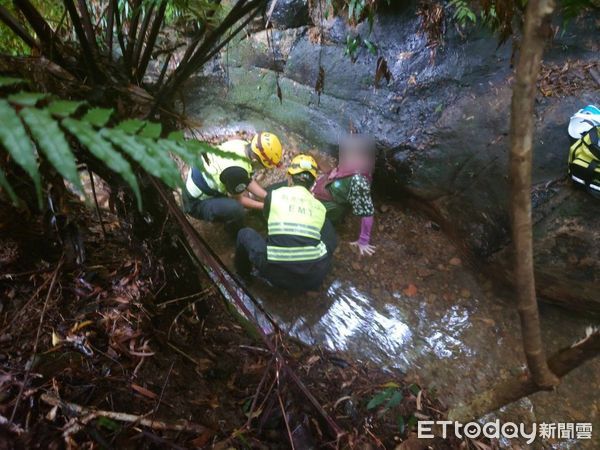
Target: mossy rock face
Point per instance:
(442, 124)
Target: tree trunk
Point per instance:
(508, 391)
(522, 124)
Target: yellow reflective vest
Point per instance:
(214, 165)
(584, 161)
(295, 212)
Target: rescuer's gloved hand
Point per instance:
(364, 249)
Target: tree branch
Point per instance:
(139, 44)
(42, 29)
(91, 413)
(522, 118)
(137, 9)
(11, 22)
(151, 41)
(88, 27)
(120, 37)
(110, 21)
(522, 385)
(185, 70)
(86, 51)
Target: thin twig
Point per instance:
(257, 393)
(187, 297)
(178, 316)
(182, 353)
(26, 305)
(37, 339)
(11, 276)
(285, 419)
(162, 391)
(93, 186)
(72, 408)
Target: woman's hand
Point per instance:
(364, 249)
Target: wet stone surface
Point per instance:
(419, 306)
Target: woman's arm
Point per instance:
(249, 203)
(364, 240)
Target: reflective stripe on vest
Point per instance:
(295, 212)
(191, 187)
(584, 160)
(214, 165)
(297, 254)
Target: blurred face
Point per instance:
(361, 161)
(357, 153)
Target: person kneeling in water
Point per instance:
(217, 191)
(299, 247)
(348, 187)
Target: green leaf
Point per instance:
(16, 142)
(151, 130)
(11, 81)
(370, 46)
(51, 140)
(161, 167)
(64, 108)
(170, 170)
(131, 126)
(98, 116)
(401, 425)
(395, 400)
(107, 423)
(103, 150)
(379, 398)
(176, 136)
(412, 423)
(4, 184)
(27, 98)
(414, 388)
(180, 149)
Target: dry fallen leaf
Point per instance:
(143, 391)
(411, 290)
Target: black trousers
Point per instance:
(215, 209)
(251, 251)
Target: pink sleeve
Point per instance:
(365, 230)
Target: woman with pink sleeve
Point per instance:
(347, 188)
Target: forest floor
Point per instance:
(134, 348)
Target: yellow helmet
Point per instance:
(268, 149)
(303, 163)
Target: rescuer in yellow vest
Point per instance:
(218, 190)
(299, 247)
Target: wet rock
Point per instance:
(289, 13)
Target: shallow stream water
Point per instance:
(418, 306)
